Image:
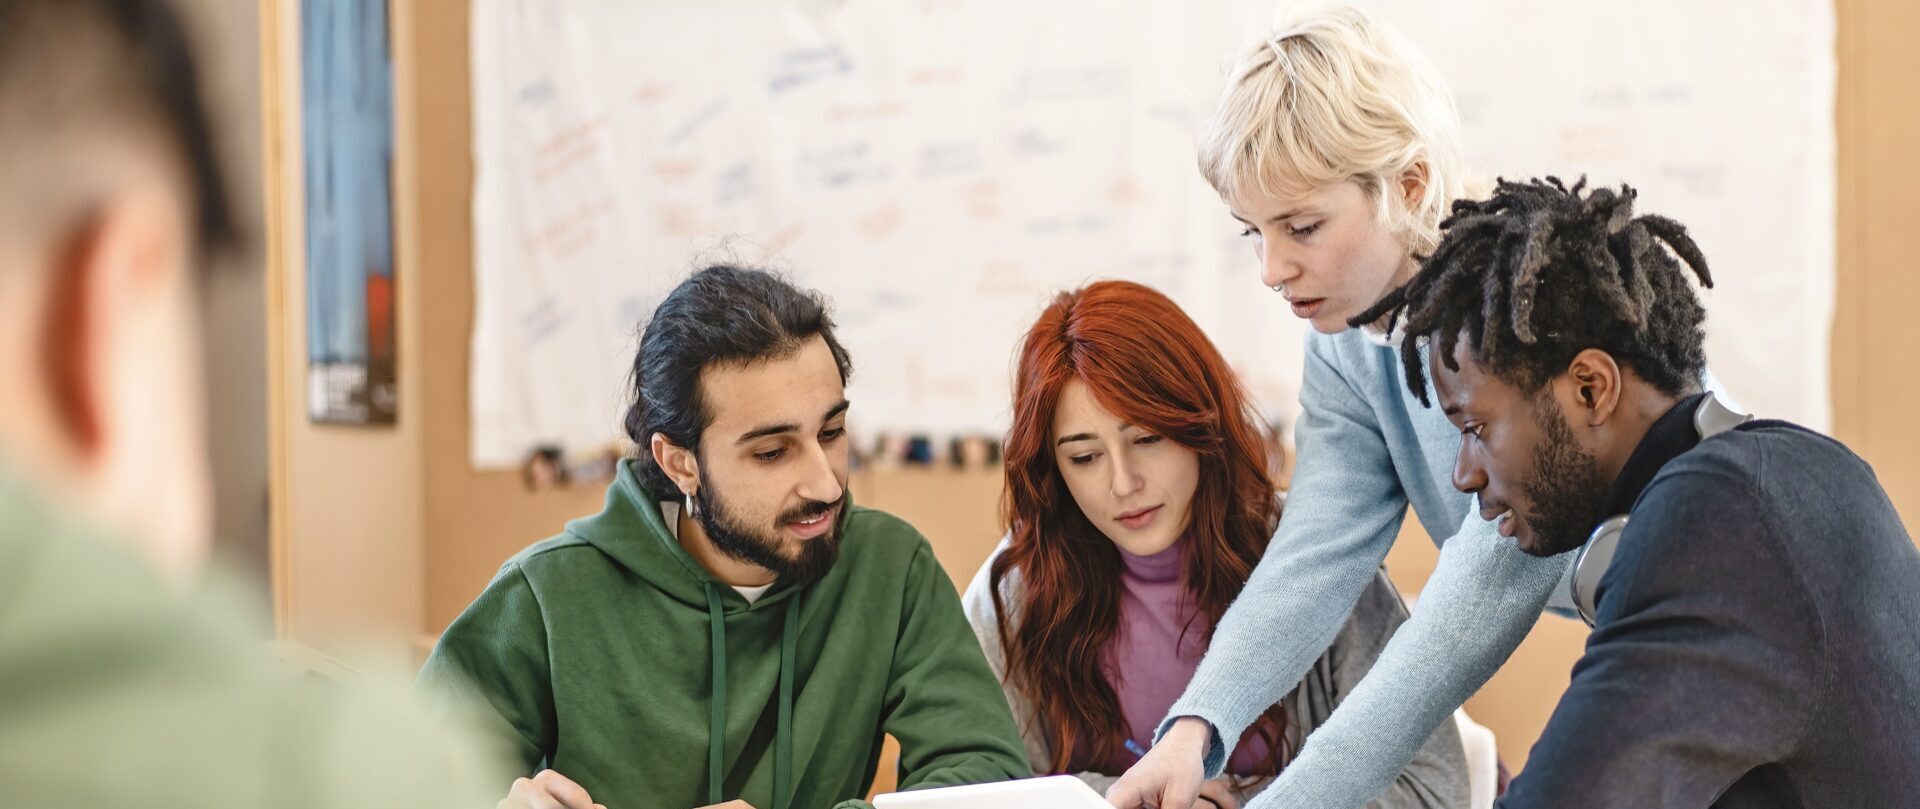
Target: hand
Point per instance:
(1170, 776)
(730, 805)
(547, 790)
(1219, 792)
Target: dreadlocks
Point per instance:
(1539, 272)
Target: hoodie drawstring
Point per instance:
(717, 721)
(783, 732)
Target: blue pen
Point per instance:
(1135, 748)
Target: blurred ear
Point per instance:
(115, 271)
(69, 361)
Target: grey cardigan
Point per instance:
(1435, 779)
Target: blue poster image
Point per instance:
(346, 83)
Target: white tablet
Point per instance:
(1052, 792)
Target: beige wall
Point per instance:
(473, 520)
(393, 529)
(1876, 345)
(228, 55)
(348, 566)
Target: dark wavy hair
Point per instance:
(721, 315)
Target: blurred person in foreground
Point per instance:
(123, 681)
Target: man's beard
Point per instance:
(1565, 488)
(761, 549)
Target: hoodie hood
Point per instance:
(632, 532)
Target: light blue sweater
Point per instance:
(1367, 449)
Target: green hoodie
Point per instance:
(118, 691)
(612, 657)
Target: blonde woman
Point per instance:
(1335, 147)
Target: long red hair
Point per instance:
(1146, 362)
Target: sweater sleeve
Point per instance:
(943, 703)
(1342, 515)
(1483, 597)
(1436, 778)
(492, 664)
(1707, 660)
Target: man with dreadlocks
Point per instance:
(1754, 639)
(1335, 146)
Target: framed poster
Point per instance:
(346, 98)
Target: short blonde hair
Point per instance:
(1337, 95)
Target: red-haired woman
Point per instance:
(1137, 502)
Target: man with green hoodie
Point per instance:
(730, 626)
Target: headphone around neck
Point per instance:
(1710, 418)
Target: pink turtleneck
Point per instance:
(1149, 662)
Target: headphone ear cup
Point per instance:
(1713, 416)
(1590, 566)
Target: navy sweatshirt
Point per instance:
(1756, 640)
